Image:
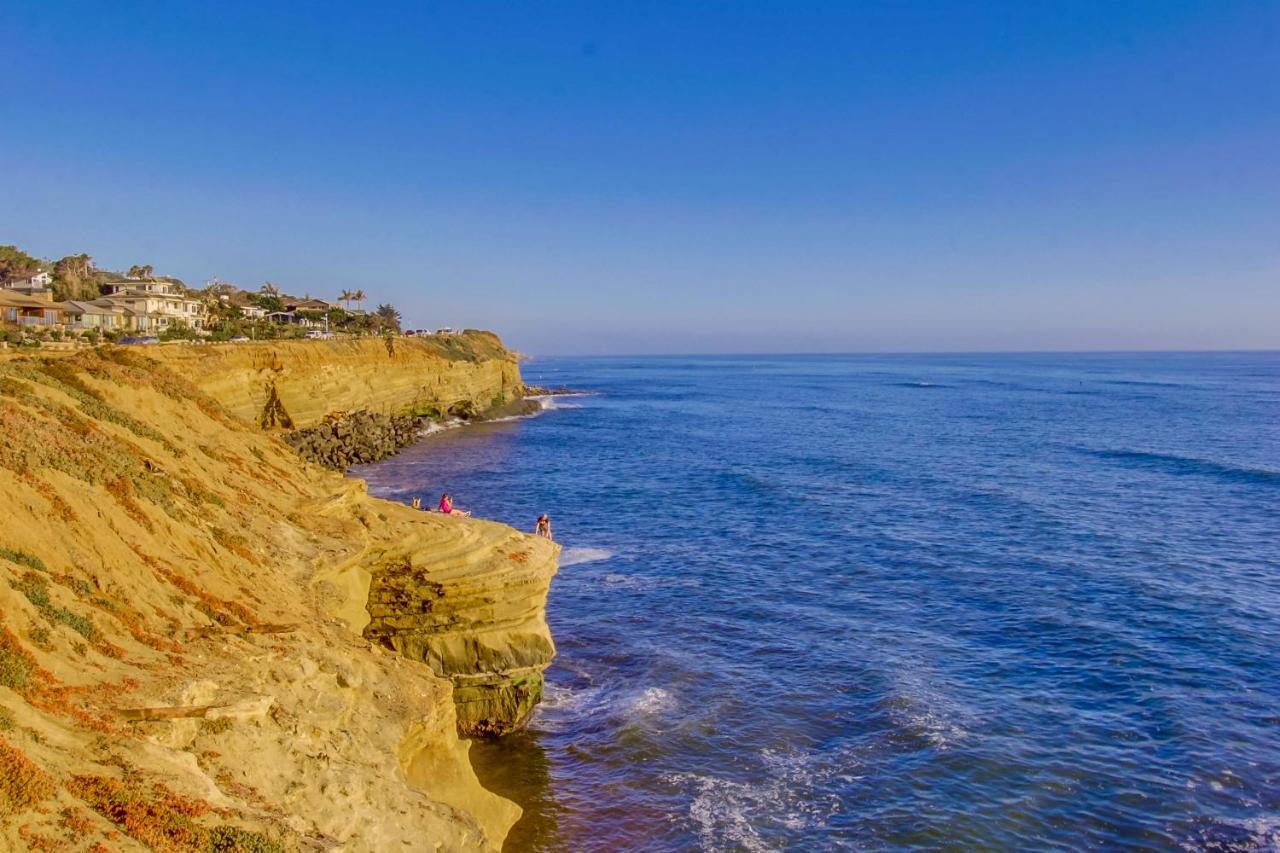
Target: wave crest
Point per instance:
(1176, 464)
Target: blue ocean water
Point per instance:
(879, 602)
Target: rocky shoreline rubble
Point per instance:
(360, 437)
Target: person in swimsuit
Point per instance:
(446, 506)
(543, 527)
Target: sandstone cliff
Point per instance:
(297, 383)
(159, 552)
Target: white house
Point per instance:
(37, 280)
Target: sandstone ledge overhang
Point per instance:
(471, 605)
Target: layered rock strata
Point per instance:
(295, 384)
(182, 610)
(483, 628)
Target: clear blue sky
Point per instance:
(675, 177)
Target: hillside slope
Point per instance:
(158, 552)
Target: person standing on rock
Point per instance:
(446, 506)
(543, 527)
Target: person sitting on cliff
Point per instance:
(543, 527)
(446, 506)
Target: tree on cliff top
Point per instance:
(75, 278)
(143, 271)
(267, 301)
(14, 261)
(388, 317)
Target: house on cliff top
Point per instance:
(28, 311)
(156, 305)
(32, 280)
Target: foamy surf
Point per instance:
(730, 814)
(579, 555)
(546, 403)
(564, 708)
(552, 402)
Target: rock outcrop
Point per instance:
(344, 439)
(354, 438)
(483, 627)
(183, 612)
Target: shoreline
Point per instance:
(363, 437)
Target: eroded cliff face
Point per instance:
(157, 552)
(294, 384)
(483, 627)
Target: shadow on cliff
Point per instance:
(516, 767)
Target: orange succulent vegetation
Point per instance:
(221, 610)
(158, 818)
(23, 783)
(20, 672)
(60, 508)
(36, 841)
(121, 488)
(163, 819)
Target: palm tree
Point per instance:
(359, 297)
(269, 289)
(345, 298)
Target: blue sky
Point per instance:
(589, 177)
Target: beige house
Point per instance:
(100, 315)
(32, 312)
(157, 305)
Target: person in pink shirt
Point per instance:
(446, 506)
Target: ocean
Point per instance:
(883, 602)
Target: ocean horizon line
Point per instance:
(861, 353)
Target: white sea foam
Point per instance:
(546, 403)
(566, 709)
(557, 698)
(577, 555)
(652, 701)
(551, 402)
(433, 427)
(731, 815)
